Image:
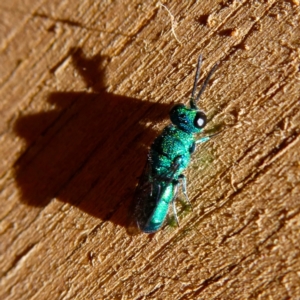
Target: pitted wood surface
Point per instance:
(85, 86)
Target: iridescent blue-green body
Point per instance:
(169, 156)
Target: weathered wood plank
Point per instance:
(85, 87)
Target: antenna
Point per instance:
(203, 87)
(199, 63)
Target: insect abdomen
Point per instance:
(160, 210)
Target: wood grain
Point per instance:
(85, 86)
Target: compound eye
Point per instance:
(200, 120)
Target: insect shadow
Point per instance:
(89, 150)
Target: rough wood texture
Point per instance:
(85, 86)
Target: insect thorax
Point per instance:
(170, 152)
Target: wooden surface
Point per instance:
(85, 86)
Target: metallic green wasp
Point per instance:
(168, 157)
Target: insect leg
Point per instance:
(173, 203)
(151, 183)
(206, 138)
(158, 192)
(184, 189)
